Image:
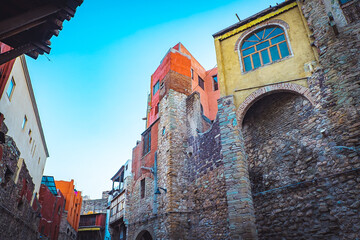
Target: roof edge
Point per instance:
(253, 17)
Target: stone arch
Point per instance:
(144, 235)
(264, 91)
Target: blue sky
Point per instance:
(92, 93)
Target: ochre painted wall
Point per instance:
(73, 202)
(232, 81)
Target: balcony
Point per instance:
(116, 216)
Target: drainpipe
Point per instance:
(155, 185)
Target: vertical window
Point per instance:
(147, 142)
(24, 122)
(142, 188)
(156, 87)
(216, 84)
(157, 109)
(264, 46)
(30, 136)
(10, 90)
(192, 73)
(201, 82)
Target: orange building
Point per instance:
(73, 202)
(179, 60)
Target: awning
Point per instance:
(88, 229)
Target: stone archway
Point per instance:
(264, 91)
(284, 144)
(144, 235)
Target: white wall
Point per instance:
(21, 103)
(127, 172)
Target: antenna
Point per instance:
(237, 17)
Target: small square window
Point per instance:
(11, 88)
(216, 84)
(24, 122)
(201, 82)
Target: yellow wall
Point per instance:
(232, 80)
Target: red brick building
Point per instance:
(192, 77)
(53, 203)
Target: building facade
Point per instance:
(52, 206)
(290, 68)
(92, 226)
(71, 217)
(93, 218)
(18, 105)
(118, 203)
(281, 158)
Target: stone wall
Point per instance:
(19, 219)
(206, 182)
(94, 205)
(304, 158)
(66, 231)
(200, 185)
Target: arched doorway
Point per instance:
(273, 139)
(144, 235)
(282, 140)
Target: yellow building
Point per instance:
(268, 51)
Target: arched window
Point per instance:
(264, 46)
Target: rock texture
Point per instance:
(18, 218)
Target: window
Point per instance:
(30, 136)
(265, 46)
(157, 109)
(24, 122)
(216, 84)
(201, 82)
(142, 188)
(192, 73)
(126, 167)
(147, 142)
(156, 87)
(10, 89)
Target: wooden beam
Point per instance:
(27, 18)
(14, 53)
(22, 29)
(42, 46)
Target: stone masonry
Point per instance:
(19, 219)
(284, 165)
